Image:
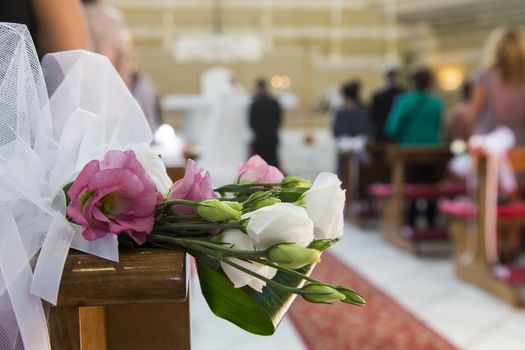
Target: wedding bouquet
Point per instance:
(69, 125)
(261, 234)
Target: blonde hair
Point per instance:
(509, 56)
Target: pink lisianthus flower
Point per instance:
(194, 186)
(256, 170)
(114, 195)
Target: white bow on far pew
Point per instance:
(496, 146)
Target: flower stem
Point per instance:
(262, 278)
(211, 248)
(220, 253)
(180, 201)
(196, 226)
(288, 270)
(242, 188)
(297, 273)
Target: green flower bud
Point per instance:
(351, 297)
(258, 196)
(318, 293)
(292, 256)
(291, 195)
(265, 202)
(215, 210)
(296, 181)
(322, 244)
(233, 205)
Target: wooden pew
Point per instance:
(395, 194)
(357, 177)
(175, 173)
(139, 303)
(472, 261)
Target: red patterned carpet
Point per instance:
(381, 324)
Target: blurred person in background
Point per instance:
(55, 25)
(144, 91)
(499, 100)
(146, 95)
(265, 117)
(416, 120)
(499, 94)
(350, 128)
(225, 137)
(458, 125)
(382, 103)
(351, 119)
(416, 115)
(111, 37)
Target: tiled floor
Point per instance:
(468, 317)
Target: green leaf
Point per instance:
(257, 313)
(66, 189)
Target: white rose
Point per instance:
(241, 241)
(325, 203)
(280, 223)
(154, 167)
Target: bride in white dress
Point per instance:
(226, 134)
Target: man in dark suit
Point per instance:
(265, 120)
(382, 103)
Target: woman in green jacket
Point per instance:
(416, 120)
(416, 116)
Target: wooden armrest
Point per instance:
(418, 155)
(175, 173)
(142, 275)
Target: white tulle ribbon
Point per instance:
(44, 143)
(16, 273)
(100, 114)
(46, 281)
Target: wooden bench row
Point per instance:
(465, 219)
(478, 247)
(392, 196)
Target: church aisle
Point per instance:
(463, 314)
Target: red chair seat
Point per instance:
(426, 234)
(416, 191)
(513, 274)
(380, 190)
(511, 210)
(466, 209)
(461, 209)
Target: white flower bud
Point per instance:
(280, 223)
(325, 203)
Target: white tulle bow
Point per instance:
(496, 146)
(44, 143)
